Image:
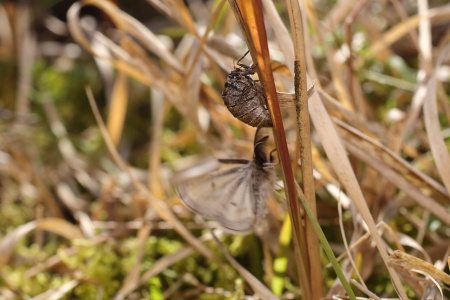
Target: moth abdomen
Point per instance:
(245, 98)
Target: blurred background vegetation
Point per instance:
(76, 223)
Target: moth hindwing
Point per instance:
(236, 194)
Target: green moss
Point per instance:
(100, 266)
(32, 286)
(155, 289)
(13, 214)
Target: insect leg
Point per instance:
(243, 57)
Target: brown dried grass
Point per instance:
(390, 175)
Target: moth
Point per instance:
(245, 98)
(236, 194)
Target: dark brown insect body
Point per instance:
(245, 98)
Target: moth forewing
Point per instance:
(236, 194)
(224, 195)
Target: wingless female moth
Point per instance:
(245, 98)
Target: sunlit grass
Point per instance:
(88, 208)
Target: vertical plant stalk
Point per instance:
(118, 108)
(251, 18)
(326, 246)
(27, 54)
(304, 137)
(159, 108)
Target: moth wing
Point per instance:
(225, 195)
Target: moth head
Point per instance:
(247, 70)
(234, 74)
(244, 69)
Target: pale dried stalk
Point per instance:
(304, 139)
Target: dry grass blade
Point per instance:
(9, 242)
(389, 157)
(211, 22)
(6, 31)
(193, 85)
(333, 147)
(365, 290)
(173, 91)
(355, 245)
(260, 289)
(151, 42)
(135, 280)
(282, 34)
(347, 248)
(402, 240)
(91, 211)
(335, 69)
(325, 245)
(159, 112)
(118, 108)
(60, 227)
(66, 147)
(438, 147)
(49, 264)
(238, 14)
(132, 278)
(384, 160)
(437, 15)
(425, 65)
(181, 12)
(130, 25)
(53, 225)
(338, 13)
(165, 262)
(409, 262)
(27, 52)
(427, 202)
(159, 206)
(22, 163)
(124, 61)
(57, 293)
